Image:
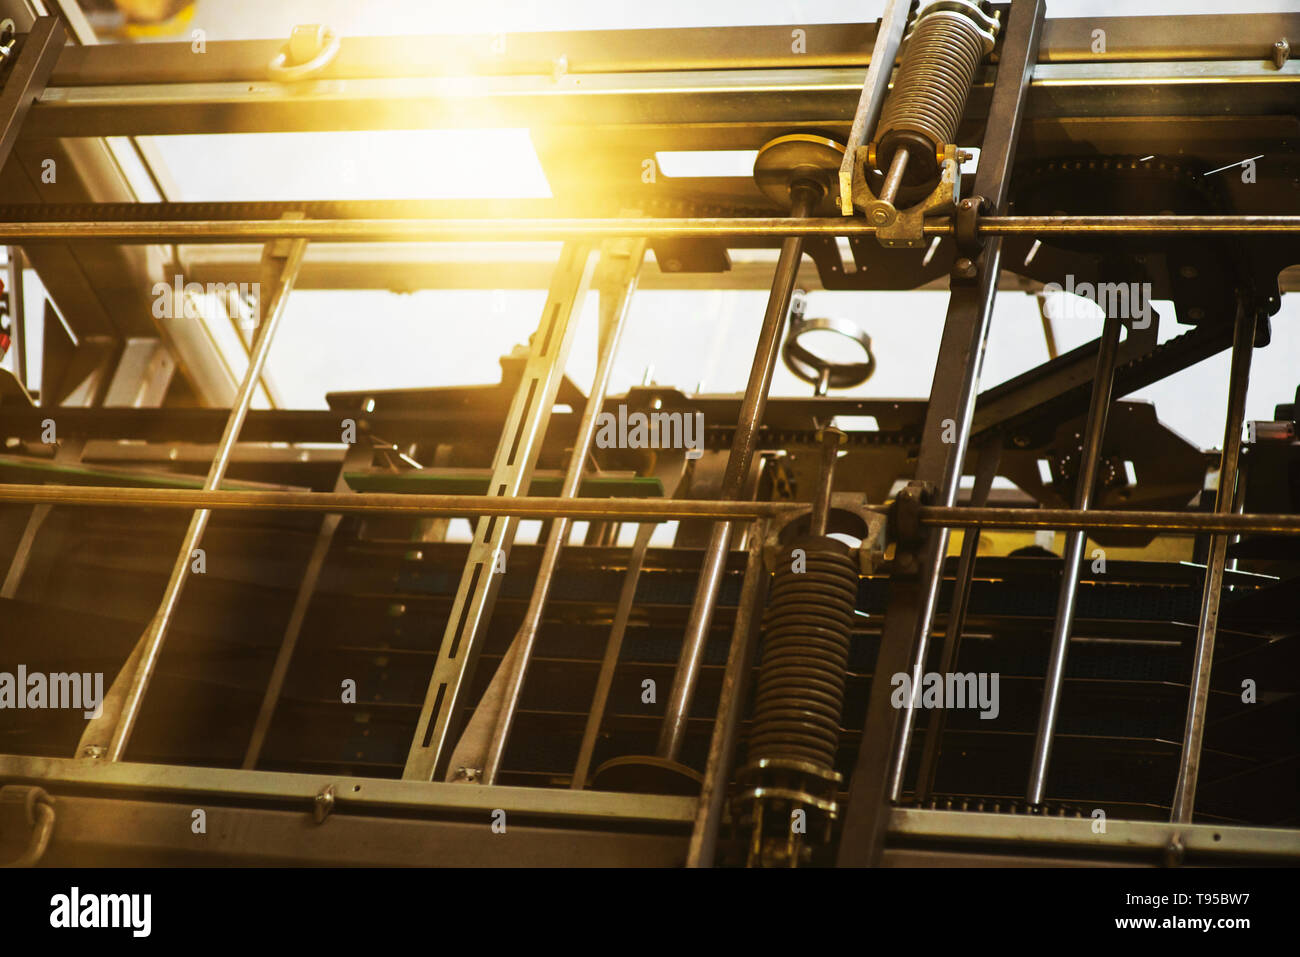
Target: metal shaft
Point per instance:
(526, 638)
(547, 230)
(742, 453)
(831, 440)
(731, 703)
(1189, 763)
(1089, 460)
(894, 178)
(111, 731)
(613, 648)
(985, 471)
(635, 509)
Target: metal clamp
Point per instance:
(36, 809)
(907, 228)
(310, 49)
(906, 512)
(967, 223)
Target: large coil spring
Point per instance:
(805, 656)
(943, 49)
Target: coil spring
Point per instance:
(805, 657)
(942, 52)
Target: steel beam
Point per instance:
(678, 109)
(617, 281)
(882, 756)
(512, 468)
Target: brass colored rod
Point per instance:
(543, 230)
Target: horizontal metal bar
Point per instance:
(1016, 829)
(625, 509)
(369, 794)
(1174, 523)
(517, 230)
(1065, 39)
(120, 832)
(684, 103)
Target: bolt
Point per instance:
(964, 268)
(1281, 53)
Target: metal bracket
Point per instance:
(907, 229)
(851, 505)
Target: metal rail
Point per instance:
(547, 230)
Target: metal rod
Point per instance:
(358, 455)
(1063, 519)
(629, 509)
(111, 731)
(1165, 522)
(986, 469)
(889, 37)
(1076, 540)
(731, 703)
(975, 302)
(636, 509)
(1189, 763)
(673, 729)
(615, 304)
(545, 230)
(894, 178)
(613, 648)
(17, 315)
(831, 439)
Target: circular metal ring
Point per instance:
(812, 368)
(324, 41)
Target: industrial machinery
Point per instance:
(1023, 623)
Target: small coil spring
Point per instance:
(941, 54)
(805, 656)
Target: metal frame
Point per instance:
(693, 85)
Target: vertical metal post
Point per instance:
(1189, 763)
(878, 772)
(108, 735)
(38, 52)
(17, 316)
(673, 730)
(357, 455)
(1075, 541)
(623, 263)
(512, 469)
(731, 703)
